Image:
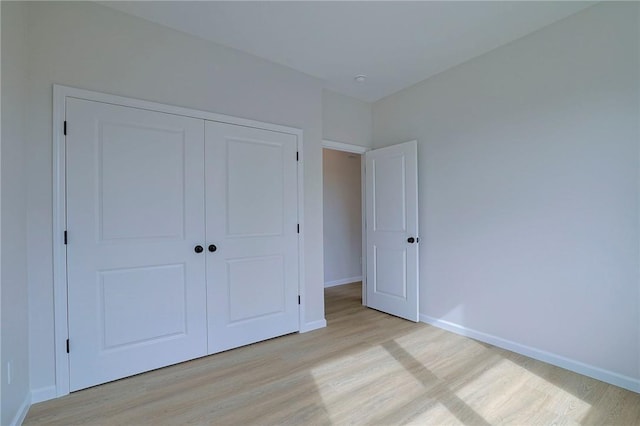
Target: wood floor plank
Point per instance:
(366, 367)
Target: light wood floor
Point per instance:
(366, 367)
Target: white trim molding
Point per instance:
(313, 325)
(342, 281)
(60, 94)
(559, 361)
(21, 414)
(43, 394)
(346, 147)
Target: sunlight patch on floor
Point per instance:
(388, 384)
(507, 384)
(374, 383)
(443, 353)
(437, 411)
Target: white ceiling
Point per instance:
(395, 43)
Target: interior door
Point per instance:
(252, 234)
(391, 176)
(135, 212)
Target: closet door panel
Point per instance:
(135, 211)
(251, 204)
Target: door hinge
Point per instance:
(298, 228)
(65, 127)
(65, 238)
(297, 156)
(298, 299)
(67, 345)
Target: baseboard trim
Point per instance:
(342, 281)
(22, 411)
(313, 325)
(43, 394)
(607, 376)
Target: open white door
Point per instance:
(391, 175)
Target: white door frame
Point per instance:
(357, 149)
(60, 94)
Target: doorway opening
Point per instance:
(343, 215)
(389, 225)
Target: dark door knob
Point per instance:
(411, 240)
(212, 248)
(198, 249)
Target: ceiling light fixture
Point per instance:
(360, 78)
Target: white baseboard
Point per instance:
(616, 379)
(22, 411)
(313, 325)
(342, 281)
(43, 394)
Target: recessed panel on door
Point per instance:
(252, 276)
(389, 205)
(135, 211)
(124, 294)
(255, 288)
(141, 177)
(390, 274)
(255, 188)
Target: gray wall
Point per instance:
(528, 177)
(342, 204)
(13, 228)
(528, 171)
(346, 119)
(93, 47)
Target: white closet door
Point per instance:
(135, 212)
(392, 229)
(251, 202)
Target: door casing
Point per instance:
(60, 94)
